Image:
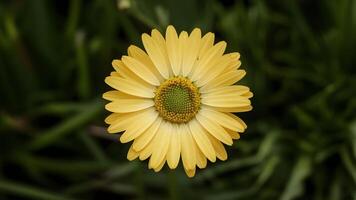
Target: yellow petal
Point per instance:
(190, 172)
(219, 148)
(232, 109)
(202, 140)
(147, 150)
(159, 39)
(214, 129)
(132, 154)
(234, 65)
(201, 159)
(122, 121)
(208, 60)
(140, 70)
(146, 137)
(129, 105)
(156, 54)
(188, 153)
(130, 87)
(225, 79)
(227, 90)
(226, 101)
(248, 95)
(174, 147)
(235, 55)
(112, 118)
(142, 56)
(174, 49)
(125, 72)
(115, 65)
(161, 144)
(206, 43)
(115, 95)
(117, 74)
(234, 135)
(160, 166)
(190, 50)
(161, 42)
(133, 131)
(223, 119)
(237, 119)
(183, 39)
(213, 69)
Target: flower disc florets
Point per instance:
(177, 100)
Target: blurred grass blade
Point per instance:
(17, 189)
(74, 13)
(353, 137)
(267, 144)
(232, 195)
(121, 170)
(335, 188)
(214, 171)
(348, 163)
(120, 188)
(267, 170)
(59, 166)
(68, 126)
(300, 171)
(58, 108)
(94, 148)
(83, 67)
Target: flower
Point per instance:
(176, 99)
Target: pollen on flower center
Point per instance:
(177, 100)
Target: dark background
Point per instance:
(300, 60)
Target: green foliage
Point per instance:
(300, 62)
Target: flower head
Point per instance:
(175, 100)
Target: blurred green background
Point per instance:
(300, 58)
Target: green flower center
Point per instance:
(177, 100)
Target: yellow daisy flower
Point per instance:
(175, 99)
